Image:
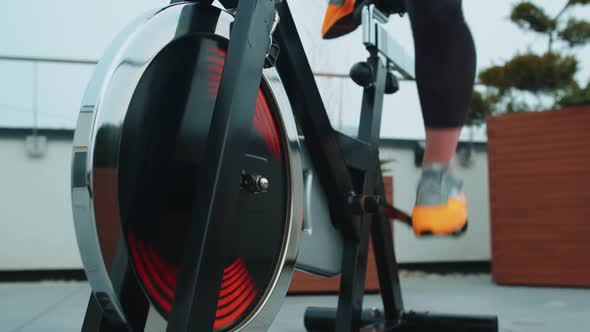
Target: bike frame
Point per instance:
(344, 164)
(347, 167)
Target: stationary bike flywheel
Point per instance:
(146, 119)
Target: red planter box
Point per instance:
(539, 168)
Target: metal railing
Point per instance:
(35, 61)
(48, 60)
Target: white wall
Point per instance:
(37, 230)
(37, 225)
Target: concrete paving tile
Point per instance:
(60, 307)
(22, 303)
(67, 315)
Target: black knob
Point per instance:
(363, 74)
(391, 84)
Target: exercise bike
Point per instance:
(205, 171)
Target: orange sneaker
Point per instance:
(341, 18)
(441, 207)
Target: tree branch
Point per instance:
(555, 25)
(562, 11)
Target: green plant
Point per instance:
(548, 76)
(383, 163)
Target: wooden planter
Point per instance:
(539, 168)
(305, 283)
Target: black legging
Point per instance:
(445, 61)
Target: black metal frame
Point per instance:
(346, 166)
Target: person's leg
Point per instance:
(441, 144)
(445, 73)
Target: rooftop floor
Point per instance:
(60, 306)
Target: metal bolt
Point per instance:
(262, 184)
(255, 183)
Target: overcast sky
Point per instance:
(82, 29)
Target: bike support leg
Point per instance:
(387, 269)
(135, 305)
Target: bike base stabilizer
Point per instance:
(372, 320)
